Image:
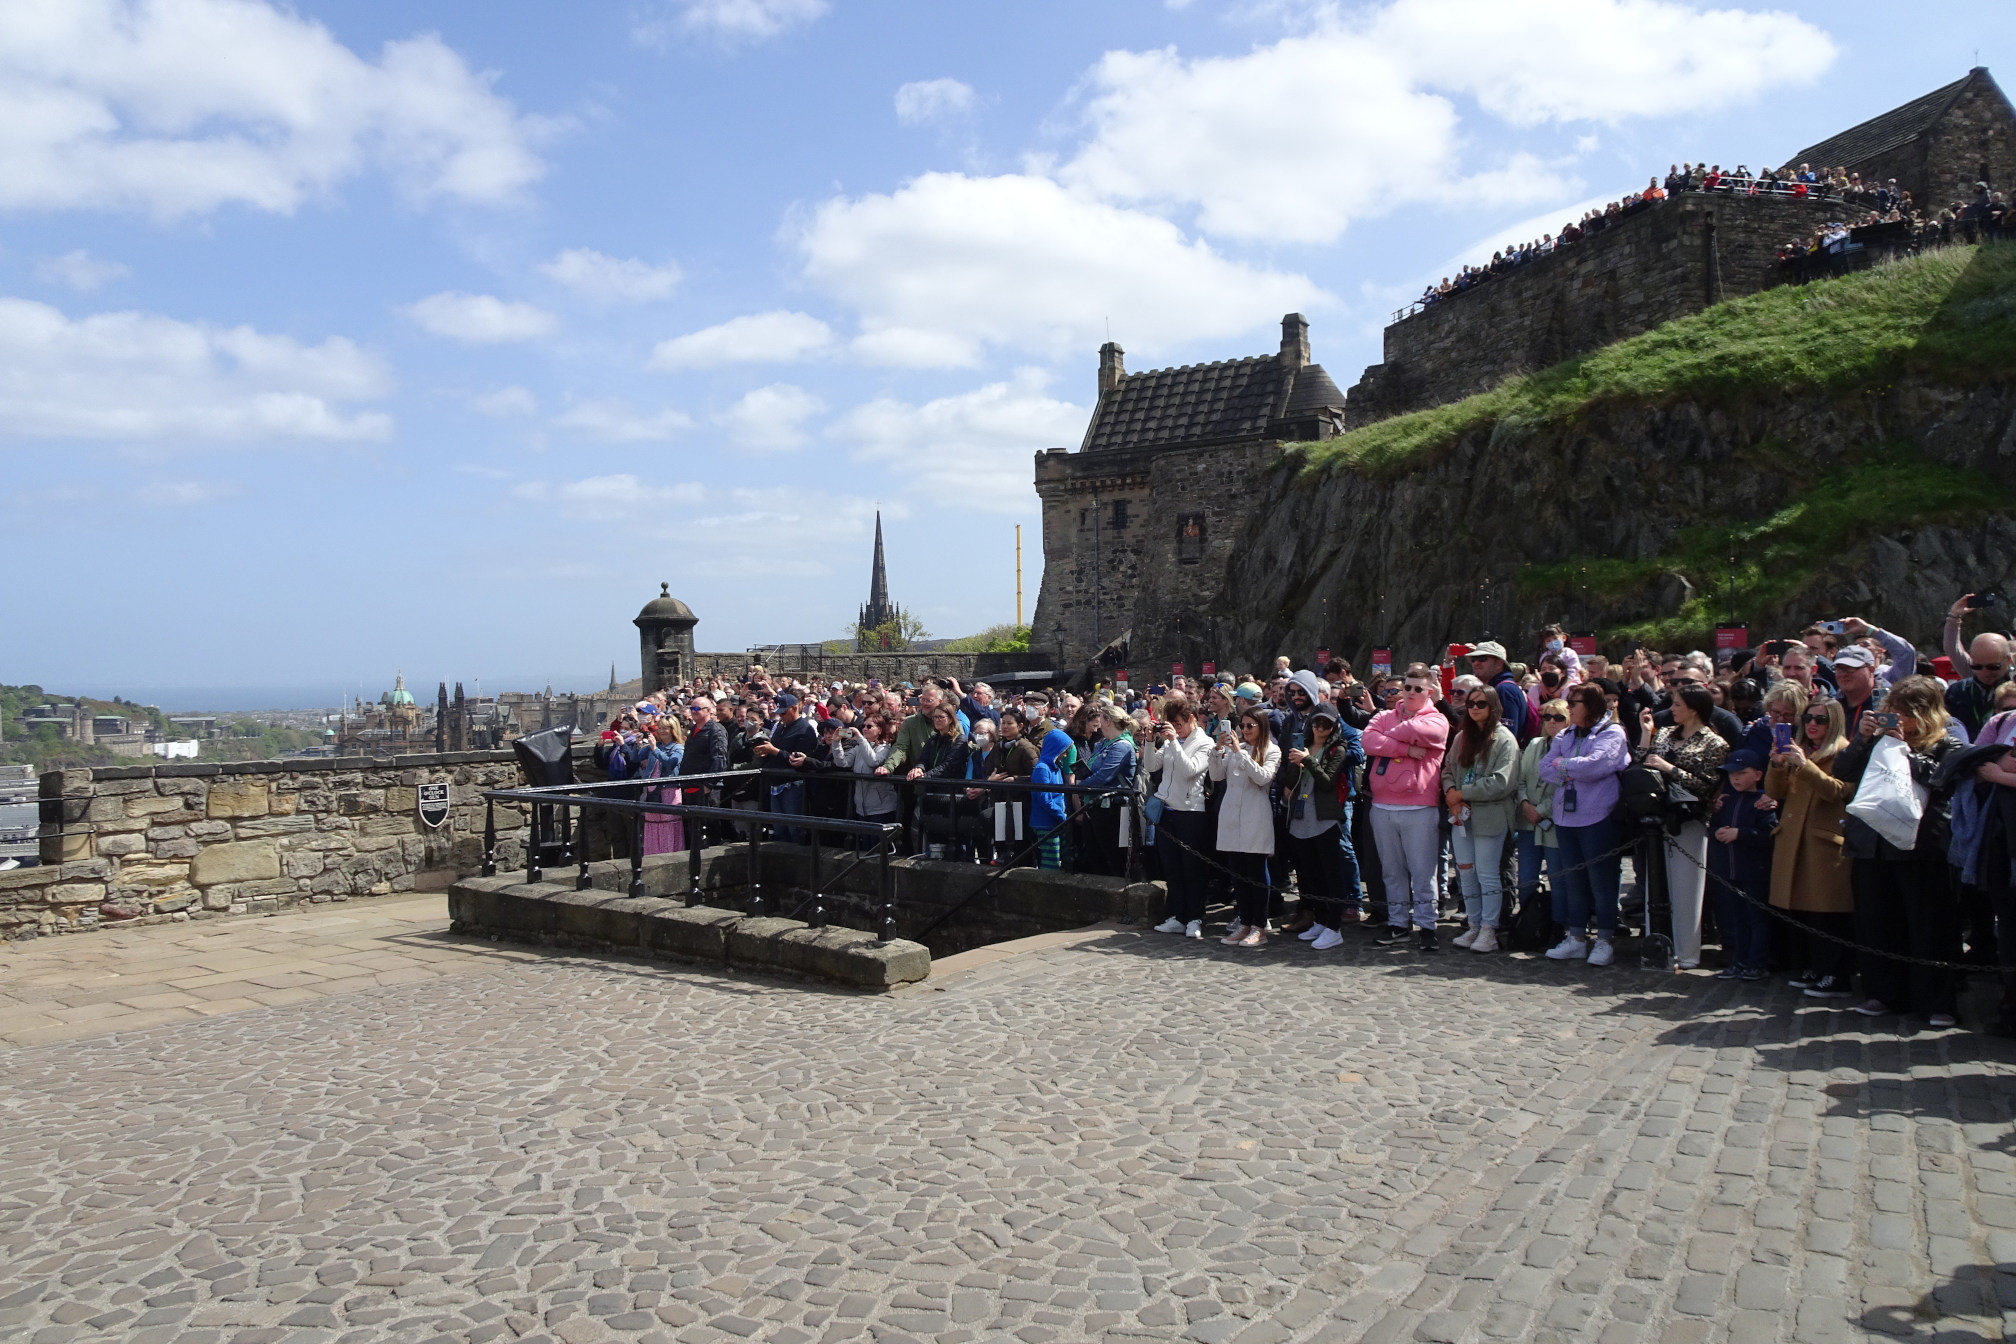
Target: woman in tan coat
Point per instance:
(1809, 872)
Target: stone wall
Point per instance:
(1143, 499)
(887, 667)
(1662, 263)
(1974, 141)
(150, 842)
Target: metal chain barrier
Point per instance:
(1787, 917)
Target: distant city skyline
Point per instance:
(336, 339)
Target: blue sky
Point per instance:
(336, 338)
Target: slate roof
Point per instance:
(1889, 130)
(1204, 403)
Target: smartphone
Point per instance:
(1781, 736)
(1295, 740)
(1834, 627)
(1885, 722)
(1775, 648)
(1976, 601)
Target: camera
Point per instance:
(1985, 598)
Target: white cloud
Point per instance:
(949, 261)
(926, 100)
(79, 270)
(612, 279)
(730, 22)
(177, 107)
(770, 418)
(598, 497)
(142, 377)
(1530, 61)
(480, 319)
(505, 401)
(1293, 141)
(985, 438)
(615, 422)
(760, 338)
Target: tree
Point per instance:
(1003, 638)
(895, 635)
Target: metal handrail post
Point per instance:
(818, 887)
(533, 872)
(695, 857)
(489, 837)
(887, 927)
(581, 880)
(755, 899)
(566, 835)
(636, 854)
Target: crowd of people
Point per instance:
(1871, 207)
(1817, 804)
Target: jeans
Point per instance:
(1582, 892)
(1180, 837)
(1477, 870)
(789, 800)
(1410, 848)
(1347, 863)
(1686, 883)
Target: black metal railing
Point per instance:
(987, 822)
(543, 803)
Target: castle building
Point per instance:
(878, 613)
(1937, 146)
(1153, 497)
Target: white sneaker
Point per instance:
(1466, 938)
(1487, 940)
(1310, 934)
(1570, 948)
(1170, 925)
(1194, 929)
(1326, 939)
(1234, 929)
(1601, 954)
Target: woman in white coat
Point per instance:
(1247, 765)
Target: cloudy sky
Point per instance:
(336, 338)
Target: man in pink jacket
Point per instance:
(1403, 750)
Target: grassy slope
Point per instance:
(1950, 314)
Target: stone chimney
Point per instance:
(1112, 367)
(1295, 341)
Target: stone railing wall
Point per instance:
(122, 844)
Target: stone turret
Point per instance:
(665, 640)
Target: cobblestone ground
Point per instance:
(1134, 1137)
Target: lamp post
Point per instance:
(1058, 631)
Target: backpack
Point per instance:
(1533, 928)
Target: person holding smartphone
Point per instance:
(1904, 898)
(1246, 762)
(1982, 667)
(1404, 747)
(1583, 764)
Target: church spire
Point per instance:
(878, 582)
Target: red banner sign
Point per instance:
(1732, 636)
(1175, 669)
(1208, 669)
(1583, 644)
(1322, 660)
(1382, 660)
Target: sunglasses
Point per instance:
(1554, 718)
(1813, 718)
(1478, 704)
(1990, 667)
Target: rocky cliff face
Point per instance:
(1493, 534)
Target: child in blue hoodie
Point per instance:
(1046, 810)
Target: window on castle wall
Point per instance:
(1190, 539)
(1119, 515)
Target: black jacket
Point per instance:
(706, 750)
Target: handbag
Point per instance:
(1888, 801)
(1153, 809)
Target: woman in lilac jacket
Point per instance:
(1583, 764)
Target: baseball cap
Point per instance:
(1742, 759)
(1247, 691)
(1490, 648)
(1854, 656)
(786, 700)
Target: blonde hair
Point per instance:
(1790, 693)
(1837, 730)
(1924, 700)
(1556, 706)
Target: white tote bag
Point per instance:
(1888, 801)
